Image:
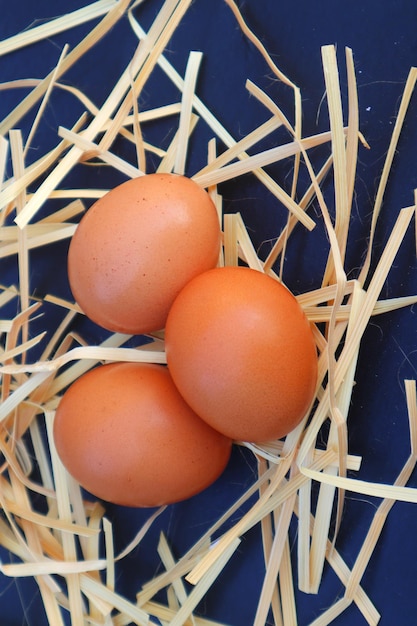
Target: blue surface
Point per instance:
(384, 41)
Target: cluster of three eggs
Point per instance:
(241, 357)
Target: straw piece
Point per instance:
(352, 138)
(22, 348)
(10, 543)
(246, 245)
(230, 245)
(281, 242)
(332, 613)
(77, 193)
(139, 117)
(310, 299)
(340, 568)
(49, 566)
(166, 614)
(44, 100)
(334, 271)
(376, 528)
(7, 294)
(242, 525)
(238, 149)
(378, 490)
(204, 584)
(107, 157)
(22, 392)
(250, 35)
(186, 563)
(95, 589)
(96, 353)
(93, 519)
(410, 391)
(168, 161)
(144, 60)
(58, 25)
(108, 538)
(214, 194)
(36, 169)
(326, 494)
(267, 157)
(14, 464)
(64, 214)
(31, 540)
(358, 328)
(274, 561)
(278, 496)
(19, 321)
(99, 608)
(286, 583)
(16, 148)
(64, 511)
(415, 223)
(5, 326)
(109, 20)
(190, 80)
(281, 76)
(319, 314)
(143, 116)
(267, 543)
(333, 94)
(72, 372)
(70, 306)
(386, 505)
(177, 585)
(304, 531)
(39, 236)
(362, 601)
(4, 149)
(219, 129)
(399, 121)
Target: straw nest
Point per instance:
(67, 544)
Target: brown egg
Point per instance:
(126, 435)
(242, 353)
(137, 246)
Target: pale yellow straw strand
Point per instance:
(10, 191)
(44, 101)
(386, 505)
(399, 121)
(109, 20)
(111, 104)
(274, 562)
(204, 584)
(224, 136)
(64, 510)
(190, 81)
(16, 146)
(144, 60)
(55, 26)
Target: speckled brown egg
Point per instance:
(137, 246)
(127, 436)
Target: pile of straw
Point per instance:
(48, 541)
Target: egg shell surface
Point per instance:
(137, 246)
(242, 353)
(126, 435)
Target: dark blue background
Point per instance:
(384, 42)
